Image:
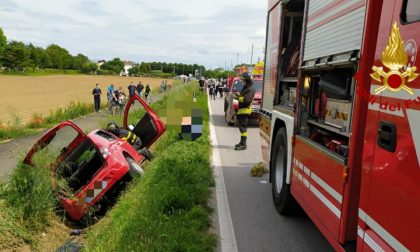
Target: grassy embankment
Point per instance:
(165, 210)
(27, 205)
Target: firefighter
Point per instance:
(245, 98)
(129, 137)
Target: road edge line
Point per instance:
(227, 234)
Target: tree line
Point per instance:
(18, 56)
(218, 73)
(170, 69)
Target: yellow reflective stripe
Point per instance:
(131, 137)
(245, 111)
(241, 99)
(245, 134)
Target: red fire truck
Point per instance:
(340, 118)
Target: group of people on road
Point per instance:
(117, 97)
(215, 86)
(132, 89)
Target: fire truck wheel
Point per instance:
(283, 199)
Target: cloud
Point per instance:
(190, 31)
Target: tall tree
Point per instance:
(115, 65)
(79, 61)
(60, 57)
(3, 43)
(45, 60)
(35, 55)
(89, 67)
(15, 55)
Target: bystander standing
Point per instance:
(97, 97)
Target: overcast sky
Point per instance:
(207, 32)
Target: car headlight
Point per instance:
(105, 152)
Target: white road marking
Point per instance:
(227, 234)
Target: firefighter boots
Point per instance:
(242, 144)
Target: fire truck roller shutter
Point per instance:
(283, 199)
(334, 27)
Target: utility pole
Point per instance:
(237, 59)
(252, 53)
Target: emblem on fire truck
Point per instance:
(395, 58)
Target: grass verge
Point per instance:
(27, 204)
(166, 209)
(41, 72)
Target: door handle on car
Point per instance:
(387, 136)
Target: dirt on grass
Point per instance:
(23, 96)
(54, 236)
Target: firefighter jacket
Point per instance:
(245, 99)
(130, 137)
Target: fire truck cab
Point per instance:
(340, 118)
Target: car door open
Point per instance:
(55, 145)
(140, 119)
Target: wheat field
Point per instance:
(23, 96)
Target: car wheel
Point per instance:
(135, 169)
(283, 199)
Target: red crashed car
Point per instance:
(101, 163)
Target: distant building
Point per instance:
(100, 63)
(127, 66)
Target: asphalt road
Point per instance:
(256, 224)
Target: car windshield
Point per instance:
(237, 86)
(257, 85)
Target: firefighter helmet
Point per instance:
(112, 127)
(246, 76)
